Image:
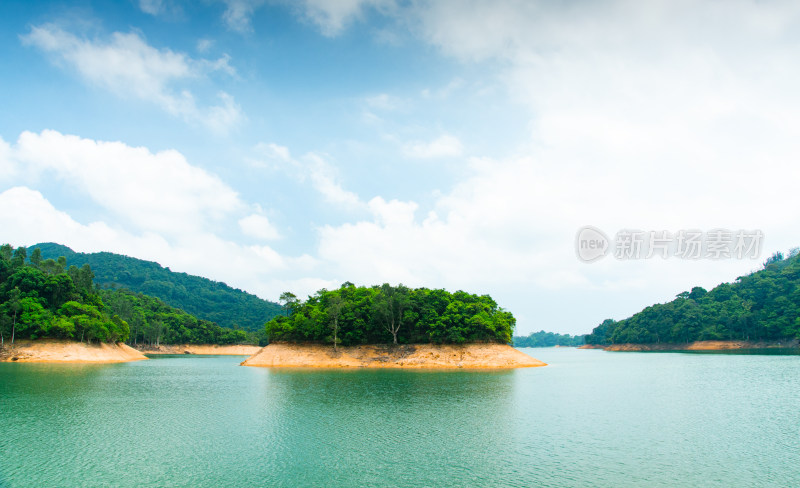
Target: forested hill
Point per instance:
(764, 305)
(201, 297)
(548, 339)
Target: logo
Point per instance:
(591, 244)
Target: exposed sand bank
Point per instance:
(212, 349)
(481, 356)
(63, 351)
(696, 346)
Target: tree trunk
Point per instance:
(13, 327)
(335, 331)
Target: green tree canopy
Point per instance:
(389, 314)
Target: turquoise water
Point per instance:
(591, 418)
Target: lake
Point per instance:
(591, 418)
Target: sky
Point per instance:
(292, 146)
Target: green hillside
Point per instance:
(43, 298)
(764, 305)
(201, 297)
(548, 339)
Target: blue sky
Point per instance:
(296, 145)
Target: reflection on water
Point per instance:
(590, 418)
(386, 426)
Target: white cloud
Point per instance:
(220, 64)
(324, 178)
(452, 87)
(383, 101)
(170, 9)
(641, 116)
(444, 146)
(220, 118)
(203, 45)
(27, 217)
(275, 151)
(127, 66)
(152, 7)
(258, 226)
(271, 156)
(481, 234)
(333, 16)
(158, 192)
(312, 167)
(238, 14)
(511, 226)
(330, 16)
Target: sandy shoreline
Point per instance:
(63, 351)
(209, 349)
(696, 346)
(479, 356)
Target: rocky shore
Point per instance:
(449, 356)
(63, 351)
(695, 346)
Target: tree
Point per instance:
(776, 257)
(5, 323)
(289, 301)
(697, 293)
(15, 306)
(19, 257)
(84, 280)
(6, 252)
(36, 258)
(49, 267)
(335, 305)
(389, 307)
(30, 281)
(58, 289)
(33, 317)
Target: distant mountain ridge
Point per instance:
(549, 339)
(202, 297)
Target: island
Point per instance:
(391, 327)
(760, 310)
